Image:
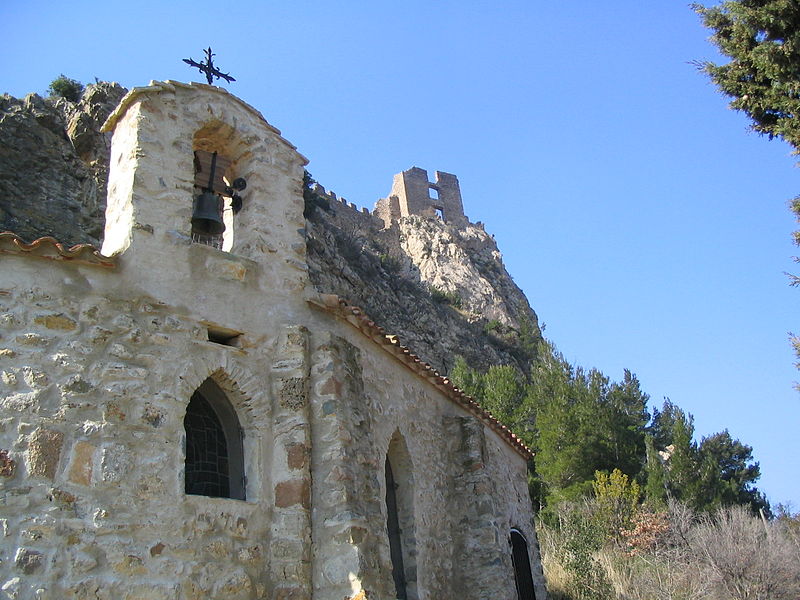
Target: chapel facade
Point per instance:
(185, 417)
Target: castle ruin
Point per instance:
(413, 194)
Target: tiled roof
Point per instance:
(51, 248)
(358, 319)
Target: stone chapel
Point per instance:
(183, 417)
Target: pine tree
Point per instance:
(762, 39)
(727, 474)
(655, 490)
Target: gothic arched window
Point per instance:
(522, 566)
(400, 524)
(214, 450)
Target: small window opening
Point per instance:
(214, 449)
(522, 566)
(434, 193)
(439, 212)
(225, 337)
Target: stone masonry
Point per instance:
(413, 194)
(100, 354)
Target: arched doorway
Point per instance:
(400, 524)
(520, 558)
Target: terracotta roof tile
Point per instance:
(391, 343)
(51, 248)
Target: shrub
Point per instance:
(64, 87)
(493, 325)
(440, 296)
(390, 263)
(744, 557)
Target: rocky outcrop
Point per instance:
(443, 289)
(54, 164)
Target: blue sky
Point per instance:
(648, 227)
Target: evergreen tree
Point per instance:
(466, 379)
(727, 474)
(762, 39)
(656, 484)
(627, 406)
(503, 390)
(682, 481)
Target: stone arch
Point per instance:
(400, 522)
(520, 559)
(218, 138)
(248, 399)
(214, 451)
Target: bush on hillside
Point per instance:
(64, 87)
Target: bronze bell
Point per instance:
(207, 214)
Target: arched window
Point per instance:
(214, 452)
(522, 566)
(400, 519)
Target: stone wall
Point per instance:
(95, 387)
(469, 486)
(413, 195)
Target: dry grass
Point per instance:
(728, 555)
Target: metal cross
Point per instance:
(208, 68)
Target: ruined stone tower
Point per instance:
(413, 194)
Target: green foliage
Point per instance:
(715, 473)
(390, 263)
(617, 501)
(762, 40)
(583, 535)
(503, 390)
(579, 423)
(493, 325)
(529, 337)
(726, 474)
(583, 423)
(64, 87)
(311, 199)
(656, 485)
(441, 296)
(466, 379)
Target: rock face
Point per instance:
(441, 286)
(54, 164)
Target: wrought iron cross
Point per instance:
(208, 68)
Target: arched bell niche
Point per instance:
(219, 184)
